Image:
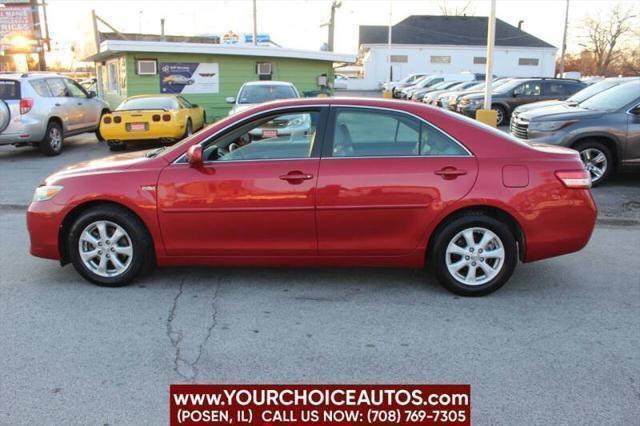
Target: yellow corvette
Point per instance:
(167, 118)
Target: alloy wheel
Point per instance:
(474, 256)
(105, 248)
(55, 138)
(595, 161)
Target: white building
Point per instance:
(449, 44)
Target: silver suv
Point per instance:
(42, 109)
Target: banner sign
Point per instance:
(189, 78)
(320, 404)
(16, 20)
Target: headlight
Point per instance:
(476, 101)
(46, 192)
(295, 122)
(548, 126)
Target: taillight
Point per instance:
(156, 117)
(576, 179)
(25, 105)
(107, 120)
(166, 117)
(117, 119)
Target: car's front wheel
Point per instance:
(188, 131)
(597, 159)
(474, 255)
(109, 246)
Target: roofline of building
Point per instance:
(457, 46)
(110, 47)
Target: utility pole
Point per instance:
(162, 29)
(491, 40)
(389, 35)
(255, 24)
(564, 37)
(35, 15)
(332, 23)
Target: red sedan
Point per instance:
(322, 182)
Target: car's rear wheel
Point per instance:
(98, 134)
(474, 255)
(188, 131)
(51, 144)
(109, 246)
(501, 114)
(597, 159)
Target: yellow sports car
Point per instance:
(167, 118)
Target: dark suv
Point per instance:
(519, 92)
(605, 129)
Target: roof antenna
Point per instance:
(520, 22)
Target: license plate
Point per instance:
(138, 127)
(269, 133)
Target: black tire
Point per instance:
(53, 140)
(587, 149)
(438, 255)
(501, 114)
(117, 146)
(204, 119)
(142, 258)
(188, 129)
(98, 134)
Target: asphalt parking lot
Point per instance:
(557, 345)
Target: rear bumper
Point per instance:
(119, 133)
(562, 229)
(44, 220)
(24, 131)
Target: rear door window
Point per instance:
(57, 87)
(551, 89)
(41, 88)
(9, 89)
(373, 133)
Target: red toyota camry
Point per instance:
(321, 182)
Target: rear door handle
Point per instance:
(57, 104)
(450, 172)
(296, 176)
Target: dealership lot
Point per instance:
(561, 336)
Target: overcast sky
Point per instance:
(296, 23)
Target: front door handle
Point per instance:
(296, 177)
(449, 173)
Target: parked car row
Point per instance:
(41, 109)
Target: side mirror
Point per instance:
(231, 100)
(514, 95)
(194, 155)
(635, 111)
(92, 94)
(195, 105)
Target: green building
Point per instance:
(204, 73)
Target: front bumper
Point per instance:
(469, 110)
(44, 220)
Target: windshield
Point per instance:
(507, 87)
(411, 78)
(148, 103)
(594, 89)
(614, 98)
(258, 93)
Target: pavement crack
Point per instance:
(187, 338)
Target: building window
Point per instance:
(112, 77)
(480, 60)
(441, 59)
(400, 59)
(528, 61)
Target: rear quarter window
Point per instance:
(9, 89)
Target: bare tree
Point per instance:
(465, 9)
(604, 34)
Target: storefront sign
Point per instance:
(189, 78)
(16, 19)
